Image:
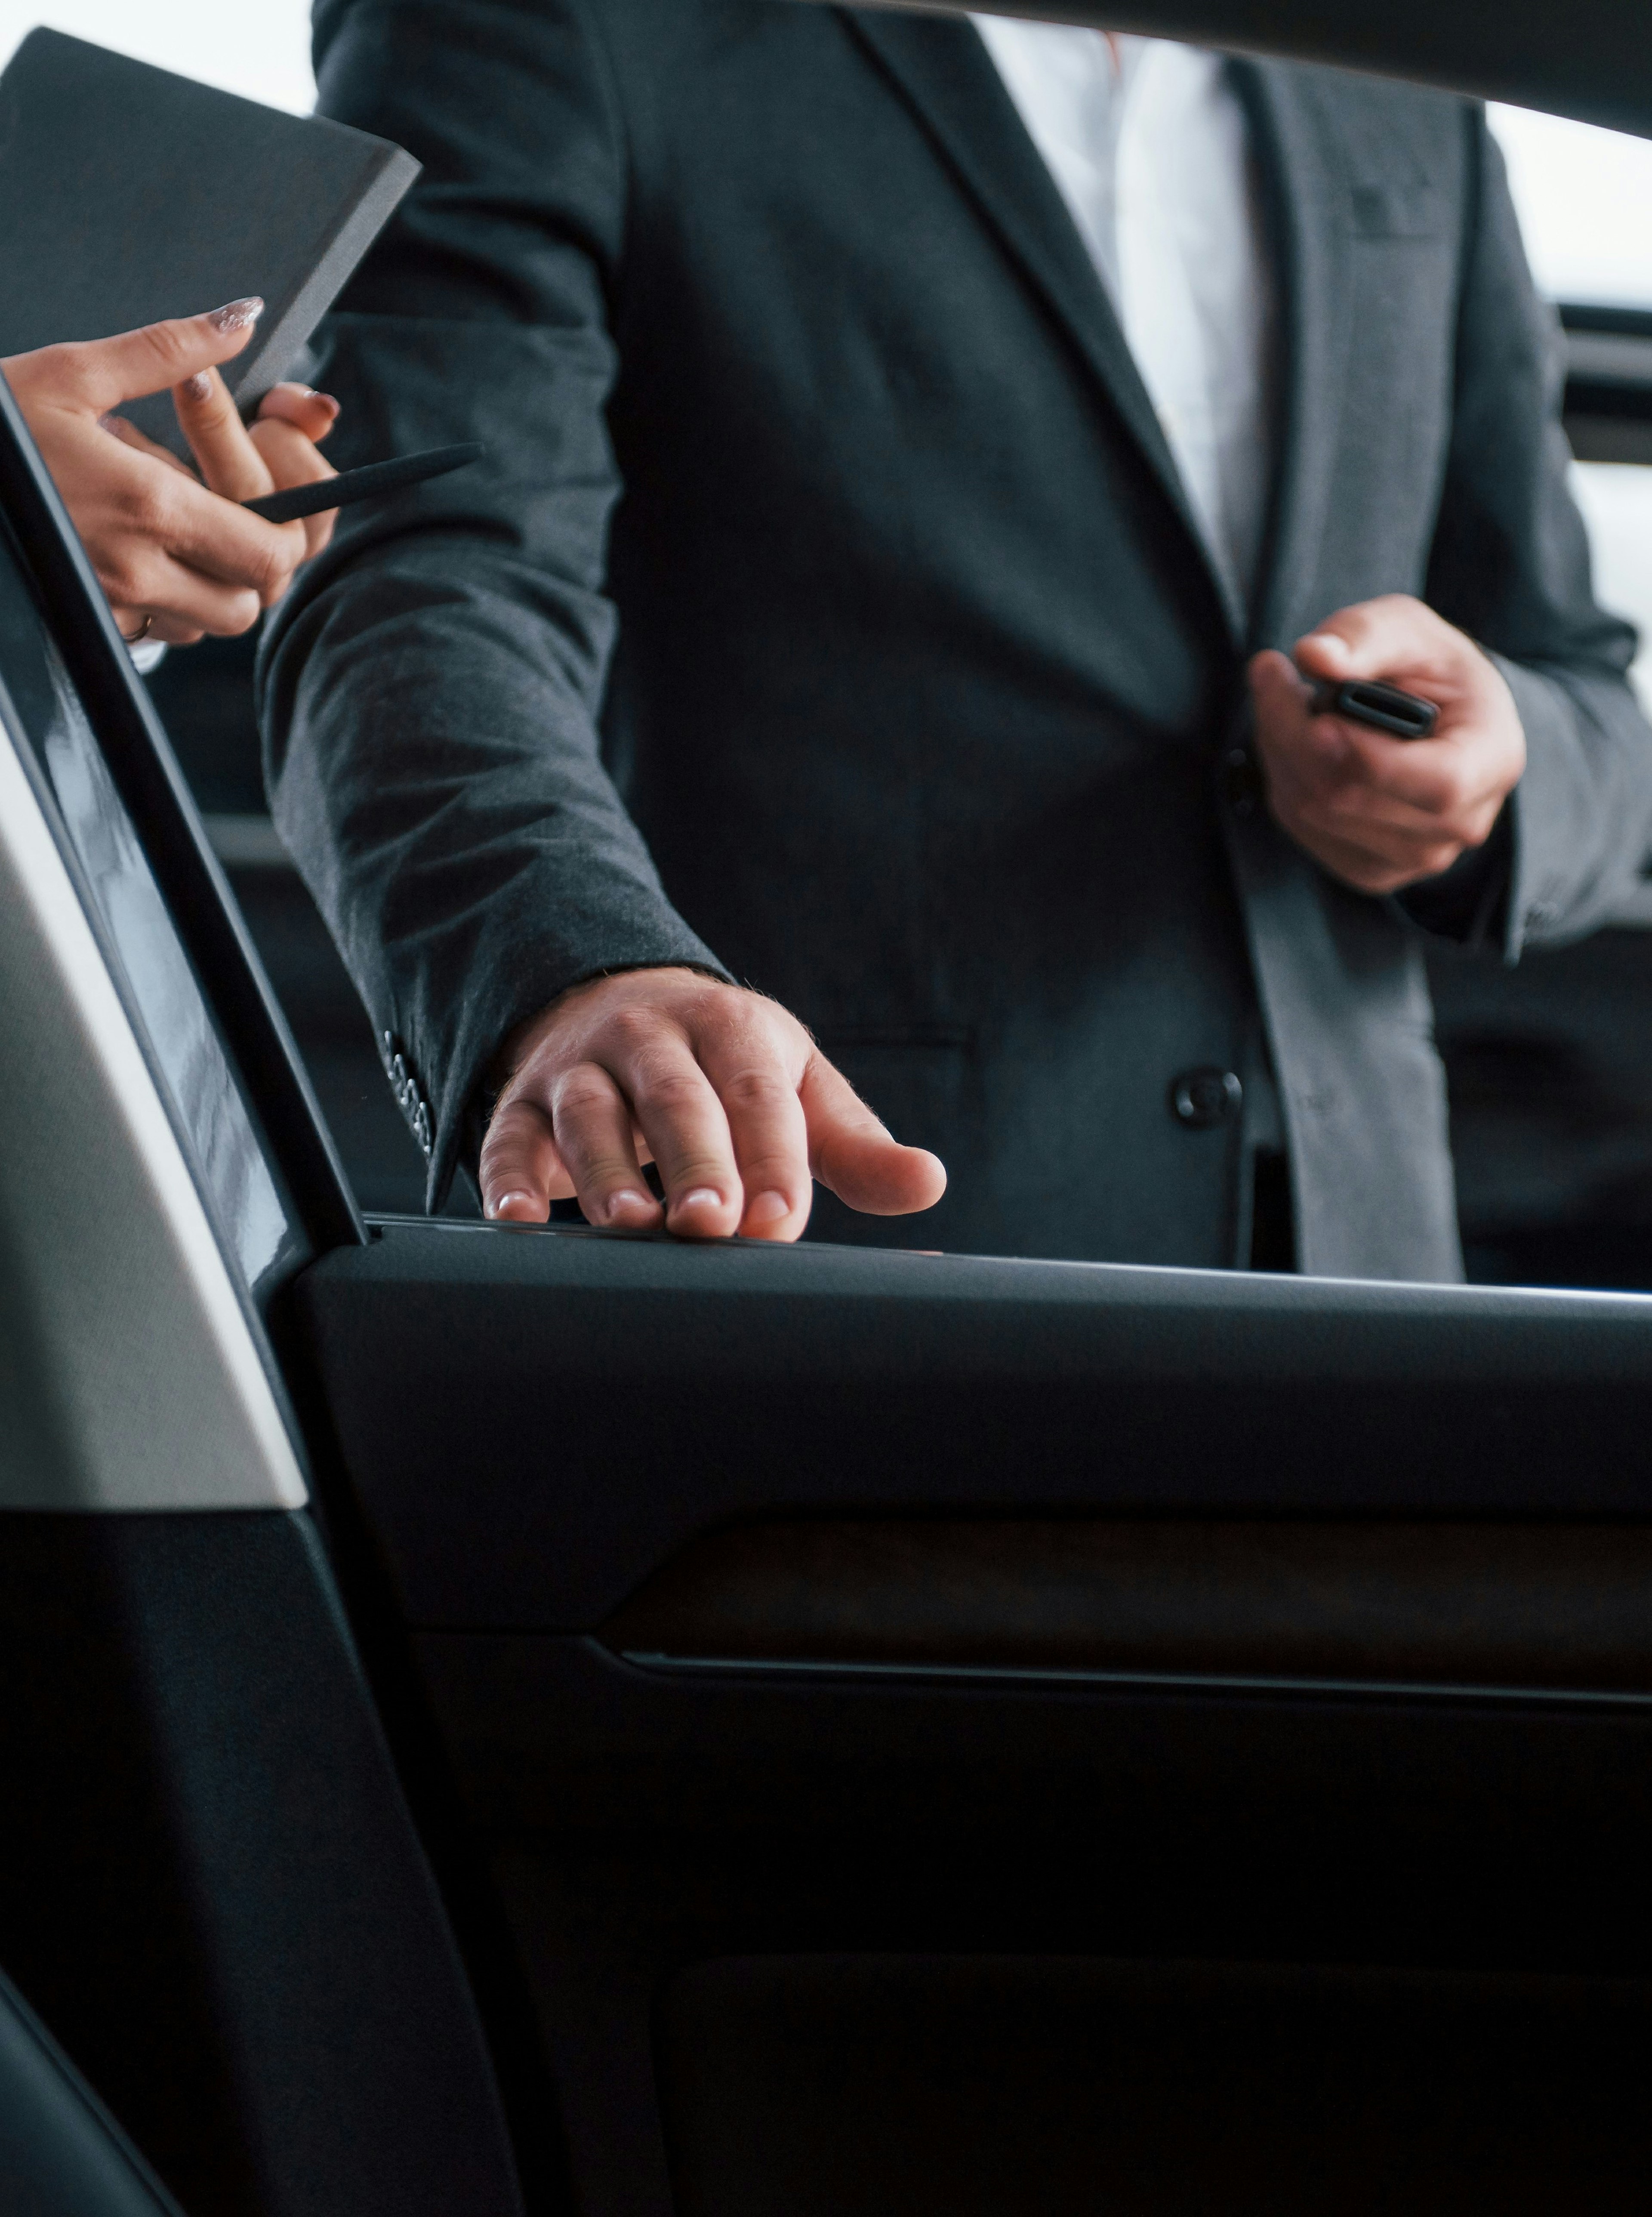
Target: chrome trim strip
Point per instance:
(1013, 1676)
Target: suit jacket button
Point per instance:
(1204, 1096)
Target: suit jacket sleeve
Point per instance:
(1510, 565)
(430, 691)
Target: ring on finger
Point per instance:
(133, 638)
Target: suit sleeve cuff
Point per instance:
(1515, 884)
(1468, 904)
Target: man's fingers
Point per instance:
(520, 1169)
(1458, 813)
(1388, 636)
(1407, 808)
(719, 1086)
(1423, 779)
(683, 1121)
(1373, 870)
(852, 1154)
(592, 1123)
(1418, 853)
(102, 373)
(766, 1129)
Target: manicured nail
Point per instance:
(768, 1208)
(627, 1202)
(198, 387)
(325, 399)
(236, 315)
(702, 1197)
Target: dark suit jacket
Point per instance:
(917, 707)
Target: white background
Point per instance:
(1585, 198)
(258, 47)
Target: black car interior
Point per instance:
(751, 1732)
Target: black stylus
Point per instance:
(364, 483)
(1384, 708)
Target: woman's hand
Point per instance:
(176, 554)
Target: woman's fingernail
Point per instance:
(768, 1208)
(198, 387)
(325, 399)
(236, 315)
(702, 1197)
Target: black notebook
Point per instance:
(131, 194)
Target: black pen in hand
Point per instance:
(365, 484)
(1383, 708)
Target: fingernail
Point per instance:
(627, 1202)
(236, 315)
(326, 398)
(198, 387)
(768, 1208)
(497, 1208)
(110, 423)
(702, 1197)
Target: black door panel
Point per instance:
(787, 1616)
(536, 1422)
(640, 1824)
(807, 2087)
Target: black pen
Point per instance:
(365, 484)
(1383, 708)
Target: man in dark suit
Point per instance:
(924, 722)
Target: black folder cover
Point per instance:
(131, 193)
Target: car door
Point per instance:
(211, 1887)
(502, 1715)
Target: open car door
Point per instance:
(504, 1718)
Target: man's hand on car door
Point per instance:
(719, 1086)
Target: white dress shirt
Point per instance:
(1148, 144)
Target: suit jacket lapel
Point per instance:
(1307, 191)
(946, 75)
